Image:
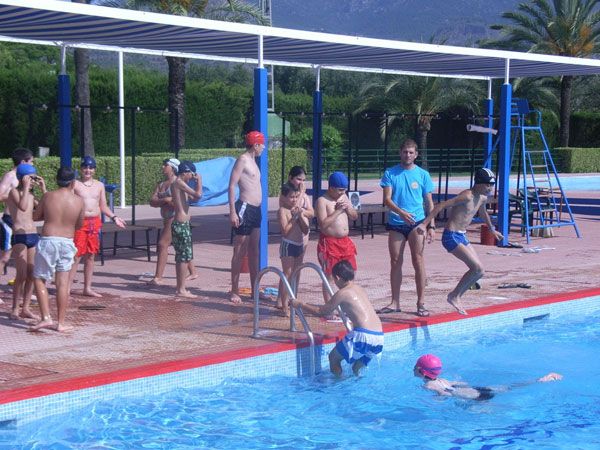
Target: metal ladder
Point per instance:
(542, 190)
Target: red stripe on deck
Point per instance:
(100, 379)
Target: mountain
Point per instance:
(460, 22)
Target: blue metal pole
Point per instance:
(64, 120)
(489, 141)
(317, 169)
(504, 162)
(260, 124)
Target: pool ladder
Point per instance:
(292, 292)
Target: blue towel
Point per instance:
(215, 181)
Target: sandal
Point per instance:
(422, 311)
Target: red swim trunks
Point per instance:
(87, 238)
(332, 250)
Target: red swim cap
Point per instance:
(430, 366)
(254, 137)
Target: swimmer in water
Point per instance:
(429, 367)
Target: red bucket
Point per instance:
(487, 237)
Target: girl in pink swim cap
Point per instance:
(429, 367)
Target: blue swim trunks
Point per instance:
(360, 344)
(451, 239)
(404, 228)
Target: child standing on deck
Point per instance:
(294, 227)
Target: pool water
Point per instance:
(386, 408)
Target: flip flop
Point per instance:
(513, 245)
(514, 285)
(388, 310)
(475, 286)
(422, 311)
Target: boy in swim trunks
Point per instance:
(20, 204)
(334, 212)
(87, 238)
(62, 212)
(294, 226)
(245, 213)
(363, 343)
(407, 193)
(429, 368)
(181, 229)
(463, 208)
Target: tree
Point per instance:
(557, 27)
(423, 96)
(82, 94)
(229, 10)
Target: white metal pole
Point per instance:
(260, 51)
(507, 71)
(121, 131)
(489, 88)
(318, 79)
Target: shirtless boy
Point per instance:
(245, 214)
(294, 226)
(20, 203)
(429, 368)
(163, 198)
(334, 211)
(7, 183)
(462, 209)
(360, 345)
(180, 228)
(87, 238)
(62, 212)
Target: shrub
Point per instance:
(578, 160)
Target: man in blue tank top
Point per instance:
(407, 193)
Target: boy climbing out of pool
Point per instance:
(429, 367)
(294, 226)
(462, 209)
(365, 341)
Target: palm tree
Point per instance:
(423, 96)
(229, 10)
(557, 27)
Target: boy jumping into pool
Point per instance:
(429, 368)
(463, 208)
(366, 340)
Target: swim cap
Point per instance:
(430, 366)
(173, 162)
(186, 167)
(88, 161)
(25, 169)
(338, 180)
(485, 176)
(254, 137)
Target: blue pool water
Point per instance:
(386, 408)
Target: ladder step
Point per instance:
(538, 166)
(535, 152)
(541, 180)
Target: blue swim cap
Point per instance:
(338, 180)
(88, 161)
(186, 167)
(25, 169)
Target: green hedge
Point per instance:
(578, 160)
(585, 129)
(148, 168)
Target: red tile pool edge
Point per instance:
(72, 384)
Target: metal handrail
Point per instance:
(291, 293)
(294, 278)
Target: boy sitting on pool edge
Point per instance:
(429, 367)
(360, 345)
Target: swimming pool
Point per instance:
(387, 408)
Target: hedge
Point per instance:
(148, 168)
(585, 129)
(578, 160)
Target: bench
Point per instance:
(369, 211)
(109, 227)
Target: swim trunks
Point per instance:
(360, 344)
(290, 248)
(250, 218)
(28, 240)
(182, 241)
(403, 228)
(53, 254)
(332, 250)
(451, 239)
(6, 225)
(485, 393)
(87, 238)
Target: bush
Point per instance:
(578, 160)
(585, 130)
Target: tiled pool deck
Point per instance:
(144, 329)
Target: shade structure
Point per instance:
(58, 23)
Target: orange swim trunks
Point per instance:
(87, 238)
(332, 250)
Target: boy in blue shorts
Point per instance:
(462, 209)
(365, 341)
